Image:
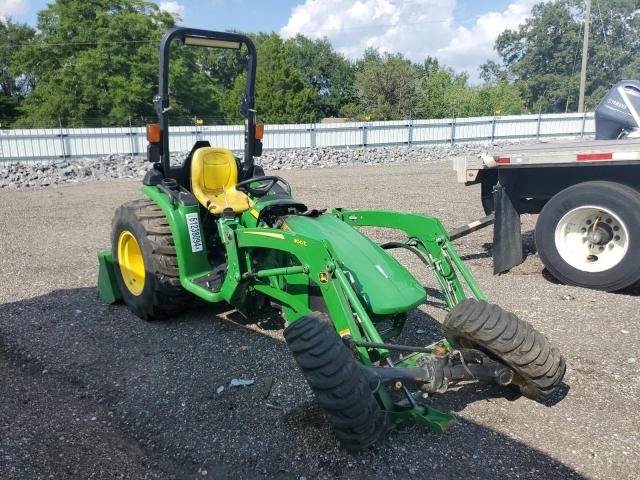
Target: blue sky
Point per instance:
(460, 33)
(257, 15)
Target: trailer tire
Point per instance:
(158, 292)
(538, 366)
(334, 376)
(558, 234)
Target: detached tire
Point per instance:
(146, 264)
(539, 367)
(335, 378)
(568, 223)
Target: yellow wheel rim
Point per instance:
(131, 262)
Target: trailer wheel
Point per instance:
(335, 378)
(589, 235)
(145, 259)
(538, 367)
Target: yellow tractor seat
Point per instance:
(214, 174)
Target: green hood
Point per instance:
(384, 286)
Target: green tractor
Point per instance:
(218, 228)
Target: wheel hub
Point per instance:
(601, 234)
(592, 238)
(131, 262)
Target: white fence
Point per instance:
(51, 144)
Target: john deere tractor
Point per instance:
(218, 228)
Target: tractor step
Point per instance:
(213, 280)
(108, 289)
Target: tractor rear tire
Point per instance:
(335, 378)
(538, 366)
(158, 292)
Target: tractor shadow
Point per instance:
(458, 398)
(486, 253)
(268, 319)
(154, 387)
(435, 298)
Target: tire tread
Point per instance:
(535, 361)
(167, 296)
(335, 378)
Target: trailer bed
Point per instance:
(567, 153)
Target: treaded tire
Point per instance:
(335, 378)
(162, 295)
(538, 366)
(620, 199)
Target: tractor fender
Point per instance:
(188, 236)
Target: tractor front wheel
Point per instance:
(334, 375)
(145, 261)
(538, 367)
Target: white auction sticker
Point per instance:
(193, 224)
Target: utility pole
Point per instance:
(585, 48)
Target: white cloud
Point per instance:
(469, 47)
(174, 8)
(11, 8)
(416, 28)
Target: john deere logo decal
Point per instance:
(323, 277)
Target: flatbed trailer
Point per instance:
(587, 195)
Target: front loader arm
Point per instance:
(314, 262)
(428, 236)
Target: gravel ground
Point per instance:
(90, 391)
(14, 176)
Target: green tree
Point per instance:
(94, 62)
(448, 94)
(492, 73)
(500, 98)
(330, 73)
(225, 65)
(439, 84)
(282, 96)
(543, 54)
(388, 86)
(14, 85)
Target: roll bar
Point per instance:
(206, 38)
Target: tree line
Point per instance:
(94, 63)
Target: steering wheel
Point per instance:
(267, 183)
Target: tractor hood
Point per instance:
(384, 286)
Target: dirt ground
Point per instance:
(88, 390)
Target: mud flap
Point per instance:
(507, 234)
(108, 289)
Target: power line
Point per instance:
(604, 34)
(65, 44)
(575, 55)
(573, 68)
